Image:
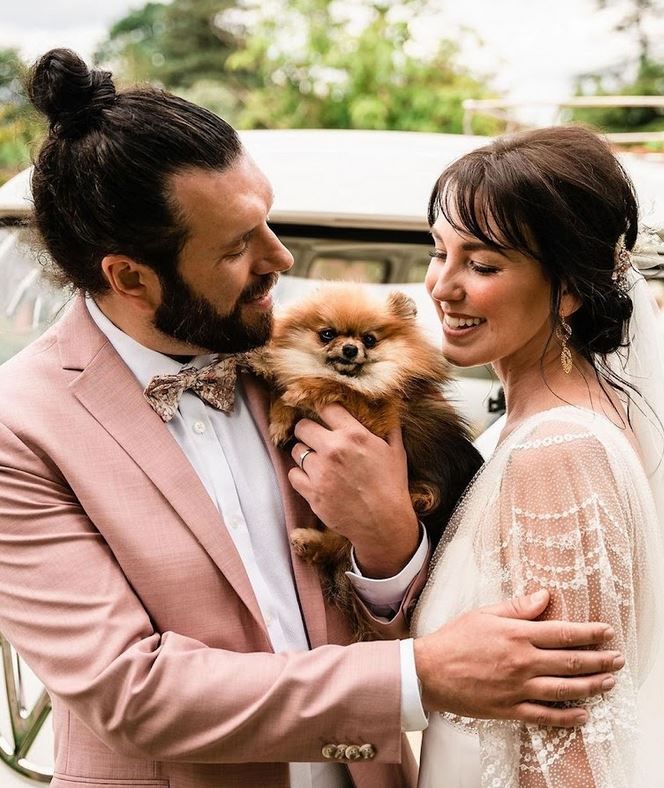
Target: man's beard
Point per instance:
(191, 318)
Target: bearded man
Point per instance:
(145, 569)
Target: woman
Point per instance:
(531, 273)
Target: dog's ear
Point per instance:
(402, 305)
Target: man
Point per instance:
(145, 572)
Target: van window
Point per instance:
(349, 269)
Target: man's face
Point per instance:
(219, 298)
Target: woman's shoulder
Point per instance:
(568, 429)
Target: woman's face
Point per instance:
(494, 306)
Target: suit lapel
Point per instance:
(109, 391)
(297, 514)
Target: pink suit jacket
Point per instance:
(121, 587)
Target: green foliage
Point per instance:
(648, 80)
(20, 127)
(297, 63)
(316, 69)
(134, 44)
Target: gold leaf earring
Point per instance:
(563, 333)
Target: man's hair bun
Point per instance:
(70, 95)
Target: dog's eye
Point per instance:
(369, 340)
(327, 335)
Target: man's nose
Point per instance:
(275, 257)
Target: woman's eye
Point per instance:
(438, 254)
(327, 335)
(484, 270)
(369, 340)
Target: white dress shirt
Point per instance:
(228, 454)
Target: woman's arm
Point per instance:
(569, 524)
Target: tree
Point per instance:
(316, 67)
(647, 78)
(20, 127)
(134, 44)
(637, 20)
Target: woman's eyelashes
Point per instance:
(479, 268)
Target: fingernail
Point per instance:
(609, 633)
(538, 597)
(618, 662)
(608, 684)
(581, 718)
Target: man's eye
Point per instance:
(438, 254)
(369, 340)
(327, 335)
(239, 253)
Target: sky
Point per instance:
(532, 48)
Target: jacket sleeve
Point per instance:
(68, 608)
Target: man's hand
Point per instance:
(357, 485)
(497, 663)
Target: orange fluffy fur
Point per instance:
(343, 345)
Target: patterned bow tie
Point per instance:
(214, 384)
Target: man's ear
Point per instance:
(133, 281)
(401, 305)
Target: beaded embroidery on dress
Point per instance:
(564, 504)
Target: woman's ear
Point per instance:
(569, 302)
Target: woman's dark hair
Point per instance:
(100, 179)
(560, 196)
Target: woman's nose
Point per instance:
(447, 287)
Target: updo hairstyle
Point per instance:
(100, 179)
(559, 196)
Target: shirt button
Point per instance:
(268, 619)
(199, 427)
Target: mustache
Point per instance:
(260, 287)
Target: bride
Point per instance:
(531, 272)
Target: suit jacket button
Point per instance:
(353, 752)
(340, 753)
(329, 751)
(367, 752)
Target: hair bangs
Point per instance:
(479, 199)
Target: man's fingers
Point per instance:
(560, 689)
(336, 417)
(523, 607)
(311, 433)
(300, 482)
(577, 663)
(395, 439)
(548, 716)
(569, 634)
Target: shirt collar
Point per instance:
(144, 362)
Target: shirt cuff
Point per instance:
(384, 595)
(413, 716)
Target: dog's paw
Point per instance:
(305, 542)
(280, 432)
(424, 498)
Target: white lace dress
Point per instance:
(564, 504)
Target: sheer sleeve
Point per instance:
(569, 520)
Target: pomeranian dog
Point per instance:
(343, 346)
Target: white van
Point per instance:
(350, 205)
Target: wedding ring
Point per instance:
(303, 456)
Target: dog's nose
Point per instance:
(349, 351)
